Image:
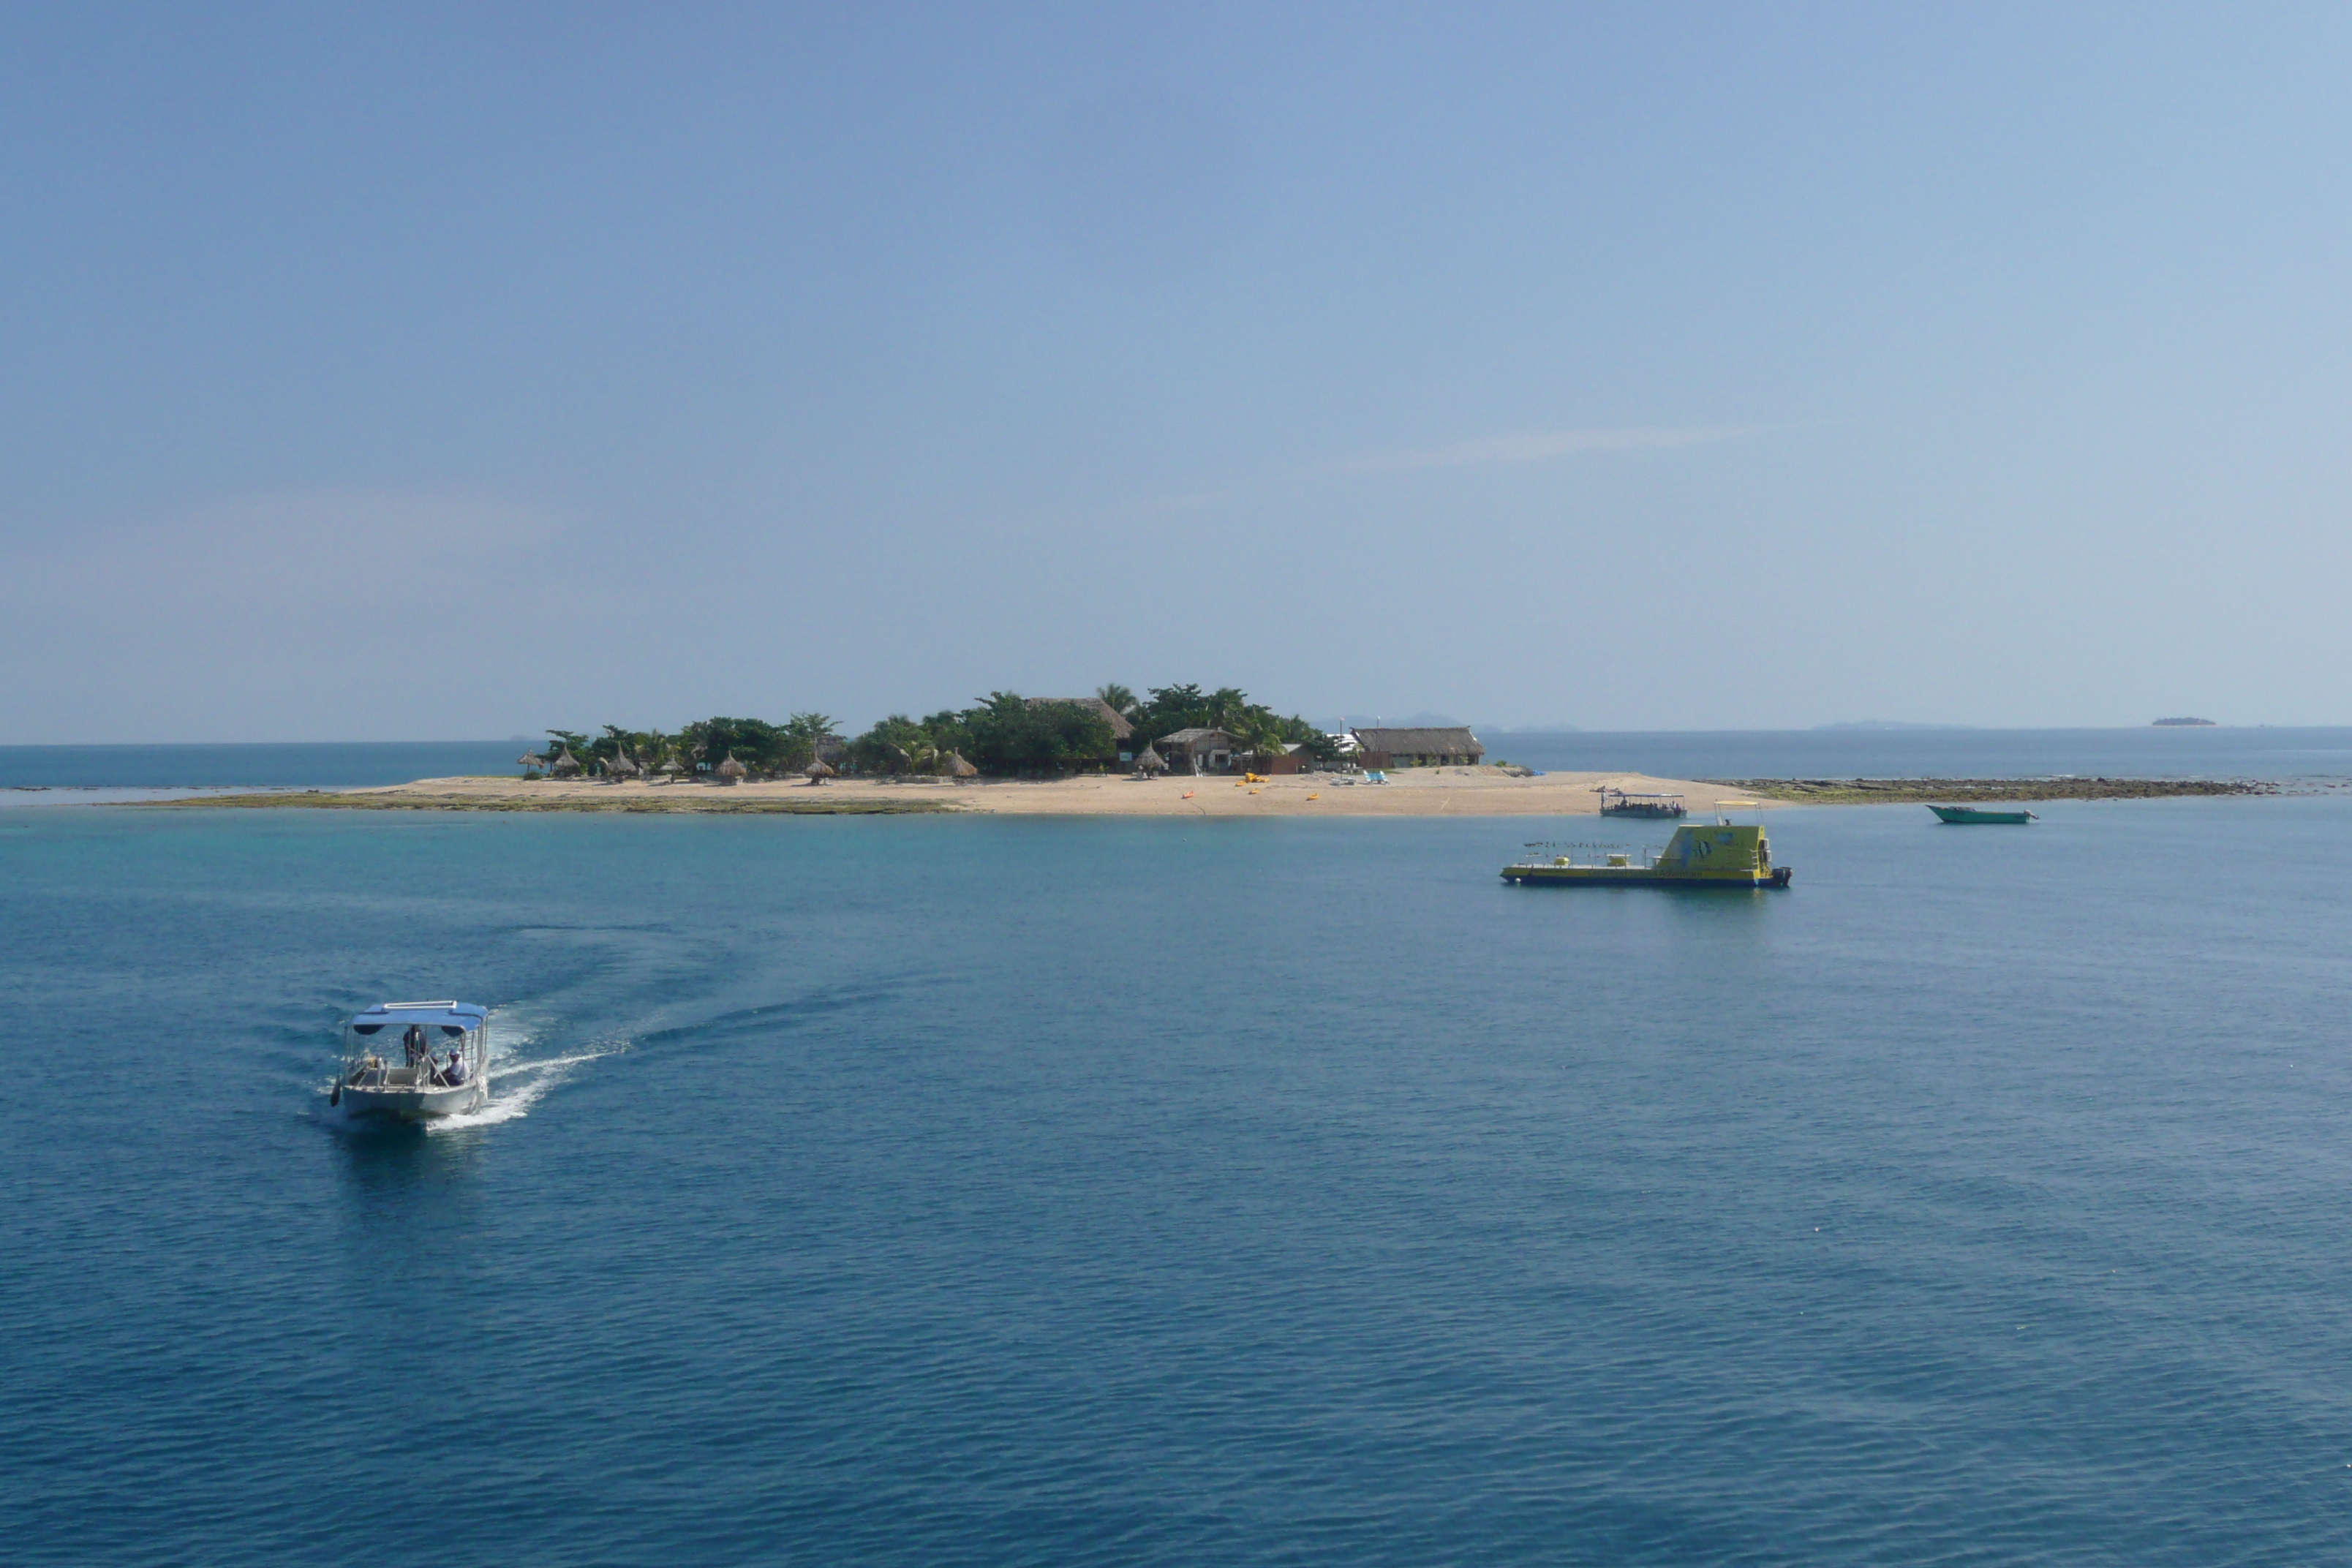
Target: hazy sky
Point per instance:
(412, 372)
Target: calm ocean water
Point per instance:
(34, 770)
(923, 1191)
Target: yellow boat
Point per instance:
(1721, 854)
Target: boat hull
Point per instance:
(402, 1103)
(1637, 877)
(1975, 816)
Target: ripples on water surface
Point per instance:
(931, 1191)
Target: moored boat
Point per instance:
(1616, 802)
(441, 1065)
(1721, 854)
(1977, 814)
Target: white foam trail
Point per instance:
(518, 1081)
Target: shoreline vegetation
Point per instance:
(1002, 735)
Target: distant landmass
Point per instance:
(2185, 723)
(1390, 721)
(1890, 724)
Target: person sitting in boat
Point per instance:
(457, 1073)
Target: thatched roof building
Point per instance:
(565, 765)
(1203, 751)
(1453, 746)
(1121, 730)
(955, 767)
(730, 770)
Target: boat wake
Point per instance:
(519, 1079)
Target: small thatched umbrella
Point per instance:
(730, 770)
(957, 768)
(1149, 763)
(673, 768)
(623, 765)
(566, 764)
(818, 770)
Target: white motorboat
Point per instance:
(414, 1061)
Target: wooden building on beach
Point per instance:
(1199, 751)
(1453, 747)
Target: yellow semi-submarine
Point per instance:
(1719, 853)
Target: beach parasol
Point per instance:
(730, 770)
(957, 768)
(1151, 762)
(817, 770)
(565, 764)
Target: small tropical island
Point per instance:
(2185, 724)
(1172, 751)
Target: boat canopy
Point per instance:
(450, 1017)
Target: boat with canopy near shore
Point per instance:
(415, 1062)
(1722, 854)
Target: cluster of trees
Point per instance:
(1003, 735)
(1165, 709)
(762, 748)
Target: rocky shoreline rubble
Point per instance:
(1966, 792)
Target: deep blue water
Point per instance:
(924, 1191)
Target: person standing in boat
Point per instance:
(413, 1045)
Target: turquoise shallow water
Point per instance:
(958, 1190)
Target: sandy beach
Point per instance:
(1410, 792)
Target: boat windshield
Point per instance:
(415, 1046)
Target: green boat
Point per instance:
(1972, 814)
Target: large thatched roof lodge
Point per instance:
(1453, 746)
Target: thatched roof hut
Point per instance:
(1120, 728)
(1151, 762)
(565, 765)
(955, 767)
(818, 770)
(623, 766)
(730, 770)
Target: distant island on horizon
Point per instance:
(2184, 724)
(1888, 724)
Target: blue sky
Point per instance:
(412, 372)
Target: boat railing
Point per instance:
(366, 1065)
(1560, 851)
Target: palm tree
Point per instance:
(800, 734)
(1120, 700)
(1228, 705)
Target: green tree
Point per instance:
(895, 744)
(756, 744)
(1011, 736)
(1120, 700)
(950, 731)
(800, 735)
